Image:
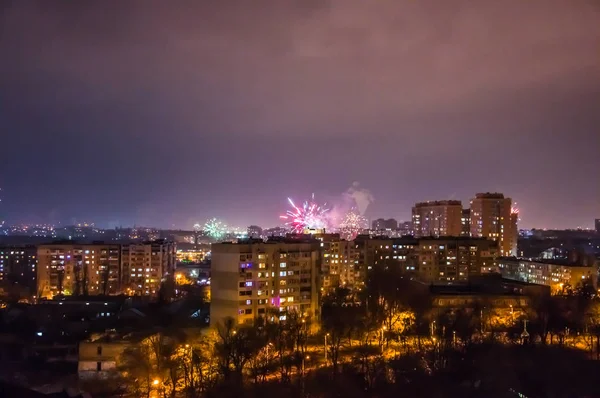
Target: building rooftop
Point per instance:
(439, 203)
(489, 195)
(562, 262)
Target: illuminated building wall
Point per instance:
(253, 278)
(338, 262)
(145, 264)
(549, 273)
(437, 218)
(18, 264)
(491, 218)
(455, 259)
(465, 223)
(78, 269)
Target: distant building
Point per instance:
(437, 218)
(144, 265)
(77, 269)
(449, 260)
(399, 253)
(465, 222)
(597, 224)
(190, 253)
(493, 217)
(276, 231)
(70, 268)
(18, 267)
(382, 224)
(252, 278)
(552, 273)
(254, 231)
(405, 228)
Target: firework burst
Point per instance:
(352, 224)
(308, 216)
(215, 228)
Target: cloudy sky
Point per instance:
(165, 113)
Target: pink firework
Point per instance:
(308, 216)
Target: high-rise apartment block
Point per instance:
(493, 217)
(143, 266)
(455, 259)
(465, 222)
(69, 268)
(18, 264)
(253, 278)
(103, 268)
(437, 218)
(338, 262)
(597, 224)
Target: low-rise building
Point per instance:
(557, 275)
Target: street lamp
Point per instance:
(325, 346)
(155, 382)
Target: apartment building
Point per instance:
(399, 253)
(437, 218)
(553, 273)
(18, 264)
(448, 260)
(70, 268)
(253, 278)
(338, 259)
(103, 268)
(144, 265)
(465, 223)
(493, 217)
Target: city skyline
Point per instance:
(155, 114)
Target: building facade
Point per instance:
(144, 265)
(338, 258)
(550, 273)
(437, 218)
(103, 268)
(493, 217)
(448, 260)
(381, 224)
(465, 223)
(254, 278)
(78, 269)
(18, 267)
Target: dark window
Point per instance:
(98, 366)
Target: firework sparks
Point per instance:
(308, 216)
(215, 228)
(352, 224)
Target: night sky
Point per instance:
(168, 112)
